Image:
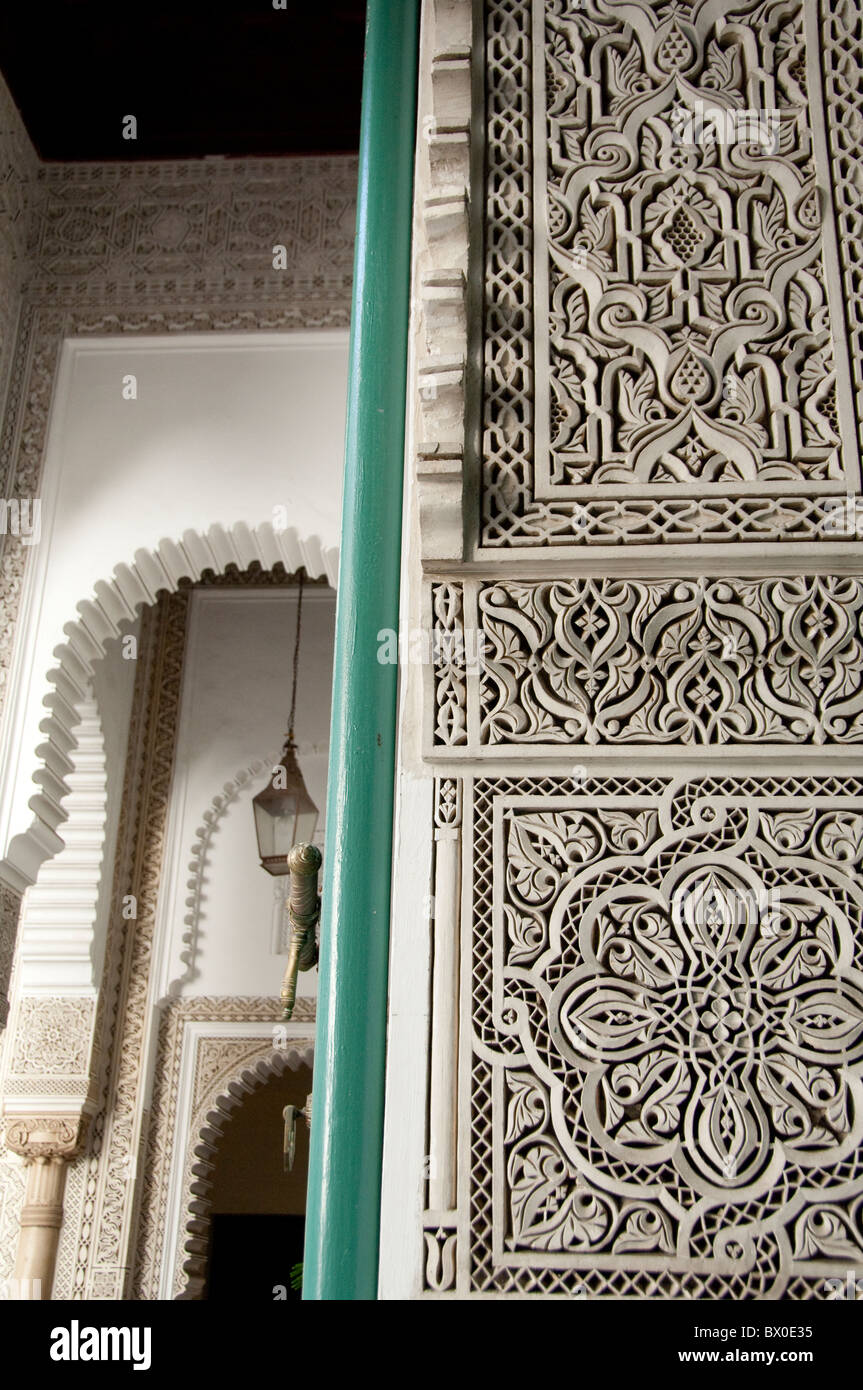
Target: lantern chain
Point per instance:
(300, 578)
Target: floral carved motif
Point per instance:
(53, 1036)
(689, 331)
(675, 662)
(677, 1028)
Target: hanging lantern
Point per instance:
(285, 814)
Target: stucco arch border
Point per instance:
(230, 1081)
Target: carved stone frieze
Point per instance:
(676, 662)
(667, 1007)
(664, 351)
(193, 232)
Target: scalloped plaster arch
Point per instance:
(106, 615)
(219, 1108)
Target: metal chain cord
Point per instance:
(300, 578)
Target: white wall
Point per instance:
(226, 428)
(235, 701)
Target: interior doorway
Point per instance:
(258, 1209)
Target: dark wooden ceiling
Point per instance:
(231, 77)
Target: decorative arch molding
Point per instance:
(59, 917)
(106, 616)
(215, 1112)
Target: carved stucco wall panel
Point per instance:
(666, 1077)
(665, 354)
(654, 751)
(694, 662)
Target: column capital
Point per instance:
(45, 1137)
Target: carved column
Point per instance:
(48, 1143)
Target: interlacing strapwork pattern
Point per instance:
(664, 347)
(667, 1080)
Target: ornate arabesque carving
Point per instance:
(661, 314)
(679, 1033)
(53, 1036)
(662, 1005)
(675, 662)
(843, 94)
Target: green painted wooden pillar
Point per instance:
(343, 1207)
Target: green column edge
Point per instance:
(346, 1146)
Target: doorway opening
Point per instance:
(258, 1211)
